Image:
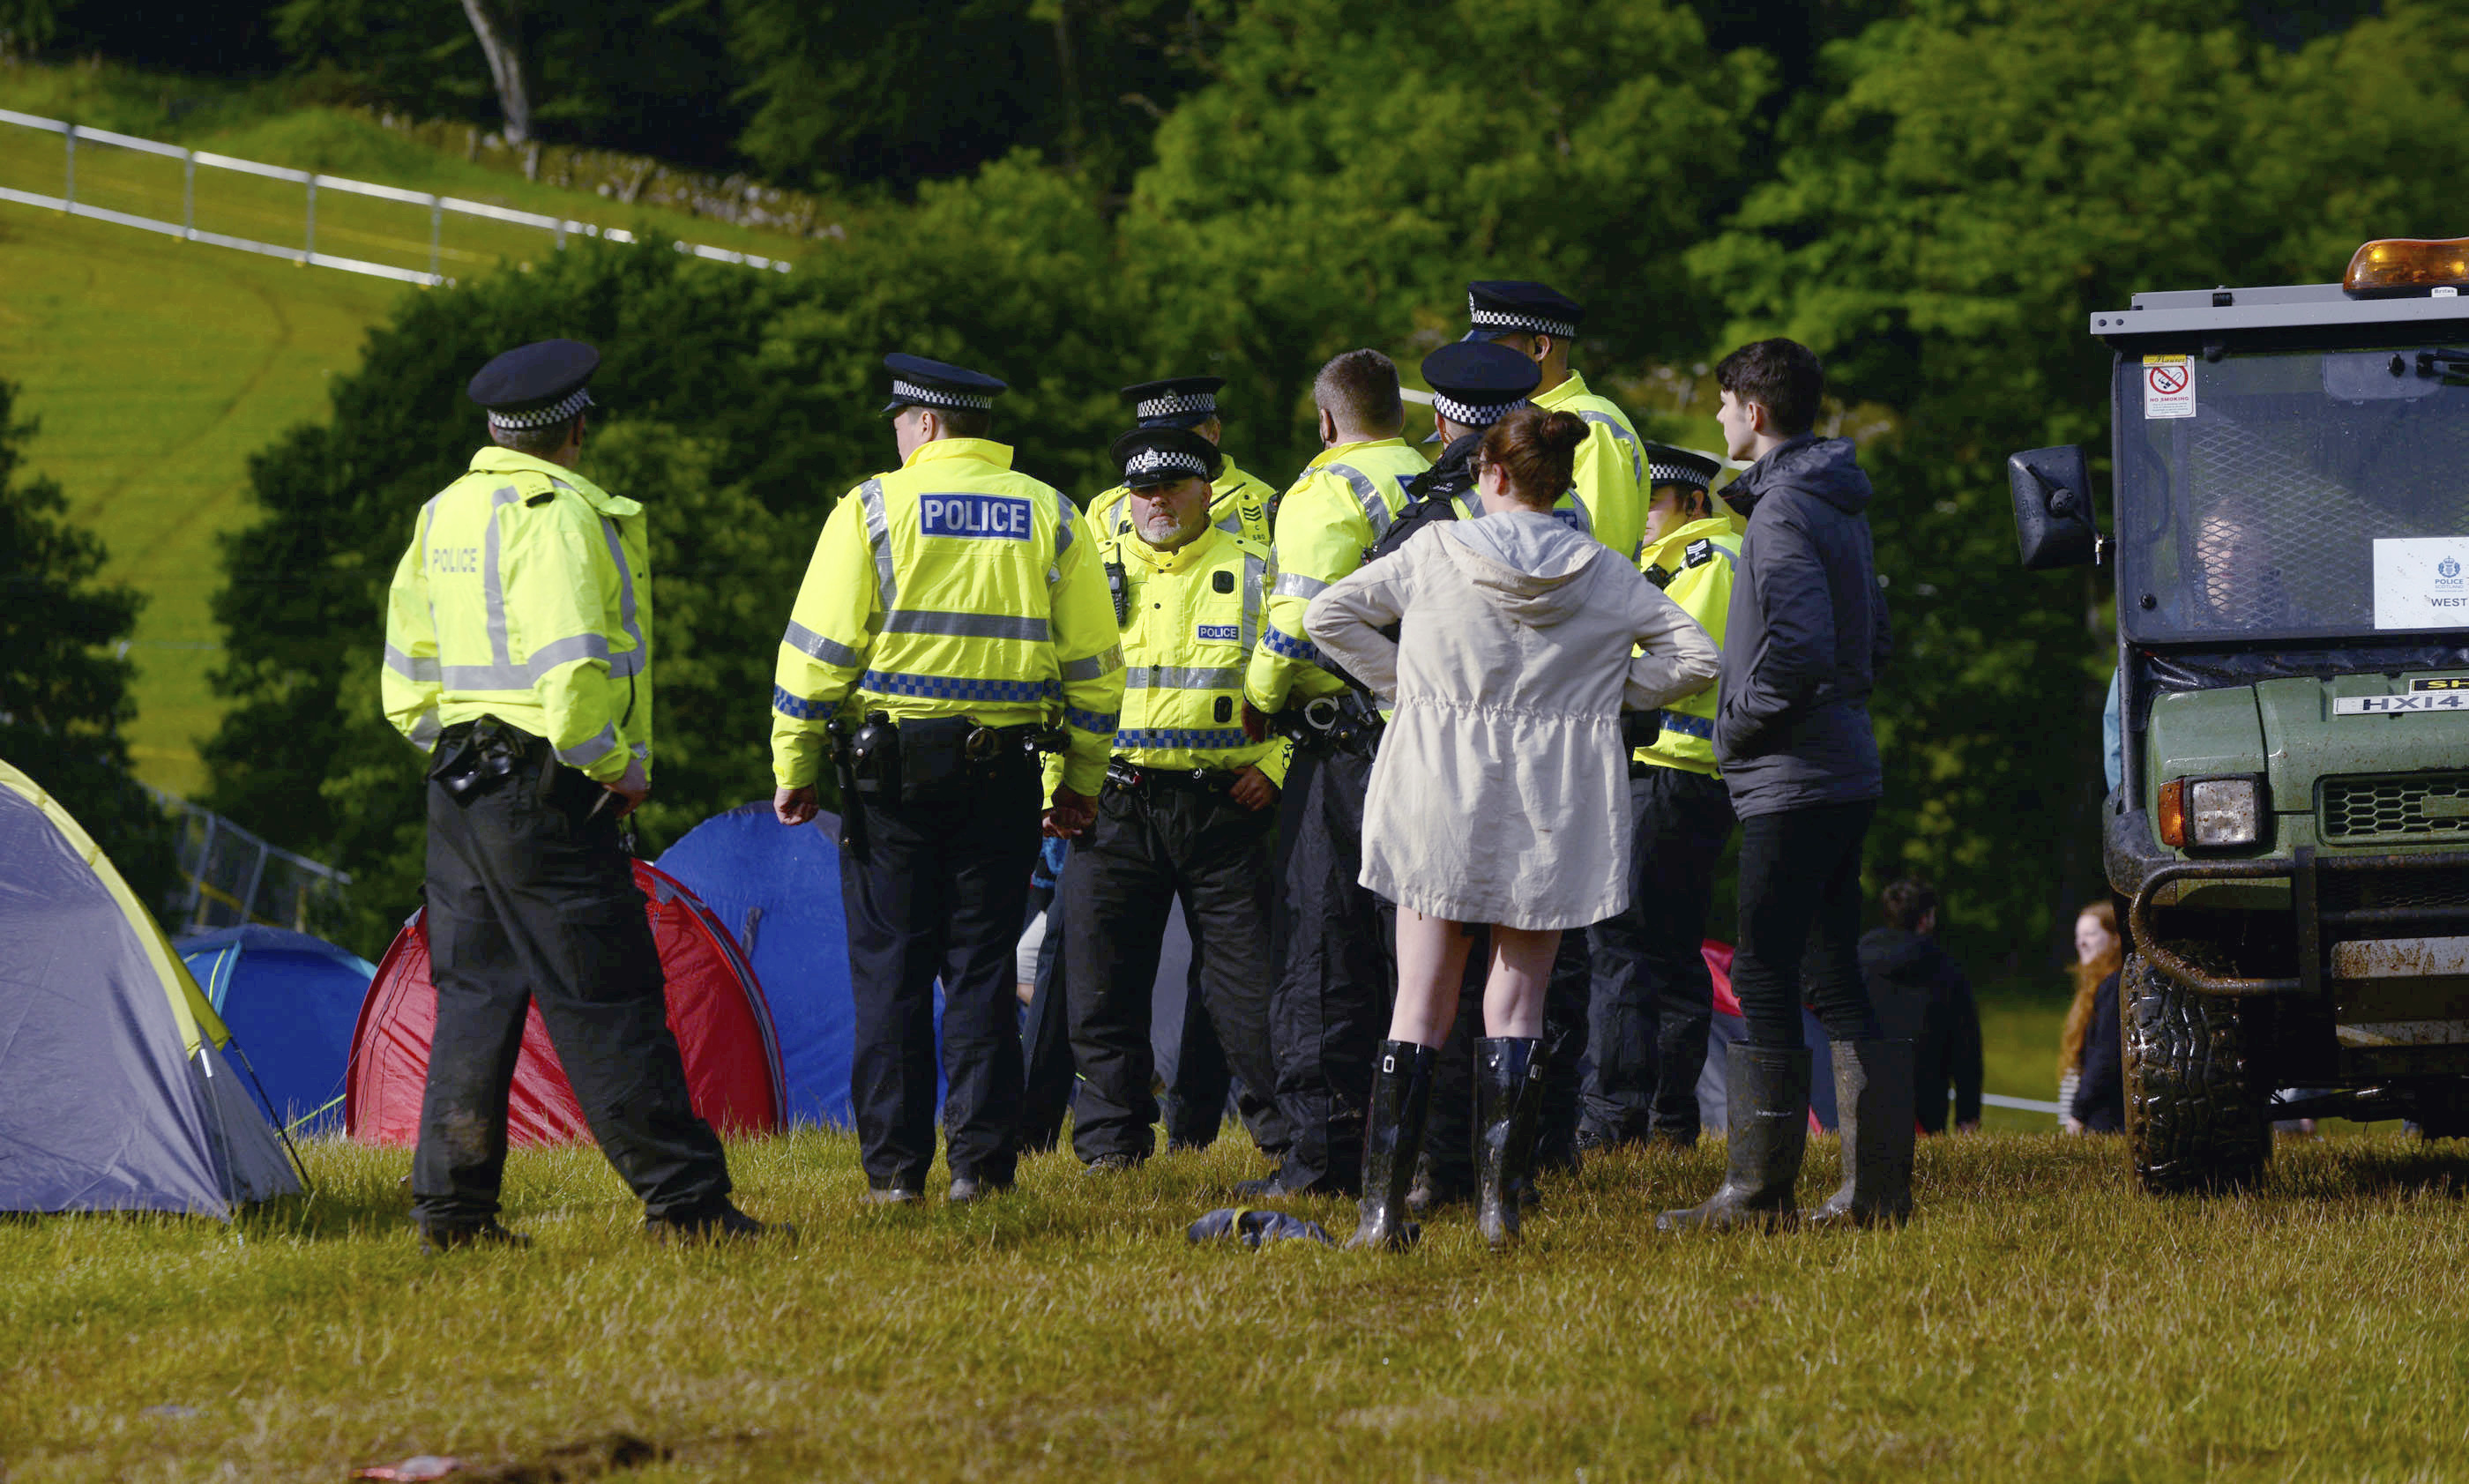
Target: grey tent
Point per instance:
(114, 1092)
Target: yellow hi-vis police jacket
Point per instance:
(1192, 618)
(525, 595)
(954, 586)
(1610, 466)
(1343, 502)
(1238, 505)
(1694, 566)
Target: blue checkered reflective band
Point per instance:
(958, 688)
(801, 709)
(1697, 726)
(1003, 516)
(1277, 643)
(1092, 721)
(1205, 740)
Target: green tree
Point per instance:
(63, 685)
(1976, 178)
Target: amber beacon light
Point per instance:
(2408, 264)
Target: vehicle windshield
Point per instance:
(2293, 494)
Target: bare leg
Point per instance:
(1431, 960)
(1512, 997)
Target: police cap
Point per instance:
(1501, 306)
(1151, 456)
(536, 385)
(1177, 402)
(919, 383)
(1475, 383)
(1667, 465)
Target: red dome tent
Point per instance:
(716, 1009)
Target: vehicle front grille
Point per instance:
(2395, 891)
(2426, 804)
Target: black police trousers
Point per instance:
(1448, 1141)
(1653, 999)
(1331, 1008)
(1150, 845)
(531, 898)
(939, 890)
(1800, 923)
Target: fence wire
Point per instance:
(234, 878)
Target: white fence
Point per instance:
(233, 879)
(387, 232)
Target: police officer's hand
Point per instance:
(633, 788)
(1069, 814)
(793, 805)
(1253, 789)
(1256, 724)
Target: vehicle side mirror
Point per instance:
(2053, 521)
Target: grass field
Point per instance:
(2040, 1320)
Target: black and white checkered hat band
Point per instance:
(1176, 405)
(1495, 319)
(541, 417)
(1679, 474)
(937, 397)
(1149, 462)
(1471, 415)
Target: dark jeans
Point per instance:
(1654, 998)
(1331, 1008)
(532, 899)
(1800, 923)
(1147, 849)
(940, 891)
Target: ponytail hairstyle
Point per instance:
(1537, 451)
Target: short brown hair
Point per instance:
(1781, 376)
(1537, 451)
(538, 442)
(1359, 389)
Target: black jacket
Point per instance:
(2100, 1086)
(1920, 994)
(1806, 635)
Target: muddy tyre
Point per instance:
(2195, 1115)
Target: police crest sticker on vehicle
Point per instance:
(2422, 582)
(2168, 386)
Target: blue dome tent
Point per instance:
(292, 1001)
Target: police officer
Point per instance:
(1539, 322)
(1188, 803)
(1238, 502)
(954, 611)
(1332, 1004)
(518, 656)
(1654, 998)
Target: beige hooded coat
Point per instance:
(1501, 790)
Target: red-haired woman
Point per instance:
(1500, 794)
(2091, 1076)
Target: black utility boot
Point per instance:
(1766, 1107)
(718, 1222)
(1402, 1101)
(1508, 1072)
(1873, 1108)
(899, 1193)
(443, 1236)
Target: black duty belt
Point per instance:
(1132, 779)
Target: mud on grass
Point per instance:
(2039, 1321)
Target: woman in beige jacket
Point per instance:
(1500, 794)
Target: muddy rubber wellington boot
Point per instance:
(1766, 1111)
(1874, 1108)
(1508, 1074)
(1401, 1103)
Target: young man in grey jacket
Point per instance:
(1806, 636)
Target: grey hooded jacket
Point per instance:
(1805, 637)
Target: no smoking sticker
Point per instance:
(2168, 386)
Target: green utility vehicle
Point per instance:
(2291, 839)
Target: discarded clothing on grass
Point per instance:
(1257, 1228)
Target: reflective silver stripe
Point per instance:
(1375, 509)
(420, 671)
(590, 750)
(878, 535)
(486, 677)
(1232, 522)
(1063, 510)
(424, 729)
(581, 646)
(1585, 517)
(1297, 584)
(1253, 569)
(1636, 451)
(1095, 667)
(492, 585)
(1145, 676)
(428, 515)
(806, 641)
(627, 665)
(996, 626)
(642, 751)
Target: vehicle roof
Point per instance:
(2183, 312)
